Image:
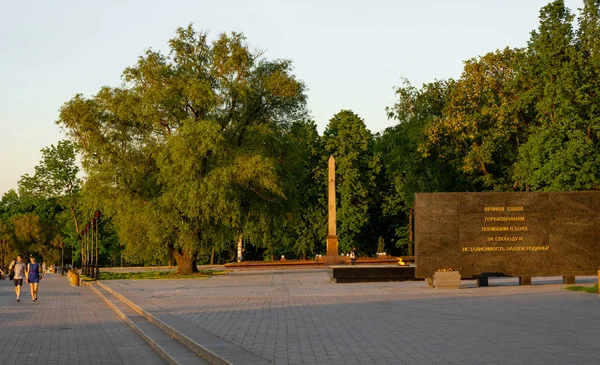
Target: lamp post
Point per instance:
(80, 252)
(97, 220)
(87, 250)
(62, 257)
(92, 267)
(83, 250)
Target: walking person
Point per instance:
(11, 269)
(17, 269)
(33, 277)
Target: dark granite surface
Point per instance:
(512, 234)
(357, 274)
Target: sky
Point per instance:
(350, 54)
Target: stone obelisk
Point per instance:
(332, 241)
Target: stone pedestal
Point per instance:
(524, 280)
(568, 279)
(332, 257)
(482, 281)
(446, 280)
(334, 260)
(332, 246)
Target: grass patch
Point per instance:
(145, 275)
(85, 278)
(587, 289)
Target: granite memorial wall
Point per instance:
(508, 234)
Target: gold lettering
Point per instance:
(518, 229)
(505, 249)
(508, 238)
(494, 229)
(493, 209)
(515, 209)
(504, 219)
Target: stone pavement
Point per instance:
(298, 317)
(66, 325)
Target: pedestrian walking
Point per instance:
(33, 277)
(11, 269)
(353, 256)
(17, 270)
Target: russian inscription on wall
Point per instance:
(512, 234)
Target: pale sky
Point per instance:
(349, 53)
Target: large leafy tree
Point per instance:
(349, 141)
(56, 179)
(191, 150)
(560, 153)
(484, 121)
(409, 167)
(310, 224)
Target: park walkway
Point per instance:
(67, 325)
(298, 317)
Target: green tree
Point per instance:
(484, 121)
(310, 223)
(56, 181)
(408, 167)
(352, 145)
(559, 153)
(190, 152)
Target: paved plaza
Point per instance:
(66, 326)
(299, 317)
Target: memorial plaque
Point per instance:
(508, 234)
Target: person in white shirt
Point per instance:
(19, 270)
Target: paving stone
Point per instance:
(66, 325)
(288, 317)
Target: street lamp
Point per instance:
(97, 221)
(87, 250)
(92, 267)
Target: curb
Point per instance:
(202, 351)
(162, 353)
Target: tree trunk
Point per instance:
(410, 233)
(239, 248)
(212, 256)
(74, 216)
(186, 261)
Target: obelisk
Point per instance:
(332, 241)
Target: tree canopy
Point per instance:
(208, 153)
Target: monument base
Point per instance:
(332, 246)
(334, 259)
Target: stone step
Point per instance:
(211, 348)
(171, 350)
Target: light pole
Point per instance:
(62, 257)
(97, 219)
(87, 249)
(92, 268)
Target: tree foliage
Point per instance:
(193, 147)
(209, 149)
